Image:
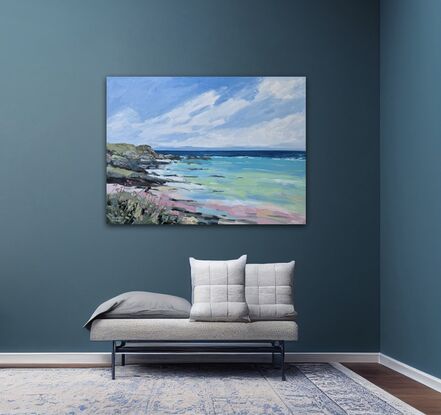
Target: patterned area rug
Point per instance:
(191, 389)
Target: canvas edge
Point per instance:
(107, 78)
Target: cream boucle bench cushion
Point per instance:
(268, 290)
(182, 330)
(218, 290)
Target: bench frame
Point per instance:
(150, 347)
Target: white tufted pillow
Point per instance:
(268, 290)
(218, 290)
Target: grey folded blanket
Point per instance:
(142, 304)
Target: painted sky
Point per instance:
(207, 112)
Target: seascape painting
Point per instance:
(206, 150)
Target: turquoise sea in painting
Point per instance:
(234, 185)
(206, 150)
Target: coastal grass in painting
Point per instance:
(206, 150)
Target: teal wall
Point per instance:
(59, 259)
(411, 182)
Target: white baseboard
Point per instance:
(103, 359)
(409, 371)
(54, 359)
(332, 357)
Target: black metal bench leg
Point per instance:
(123, 356)
(282, 355)
(276, 354)
(273, 356)
(113, 359)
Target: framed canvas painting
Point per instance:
(206, 150)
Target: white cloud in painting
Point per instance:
(124, 123)
(287, 132)
(281, 88)
(213, 119)
(199, 114)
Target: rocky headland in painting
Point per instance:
(128, 165)
(131, 178)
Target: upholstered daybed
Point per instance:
(236, 308)
(138, 336)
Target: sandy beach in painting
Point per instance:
(206, 150)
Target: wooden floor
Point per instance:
(415, 394)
